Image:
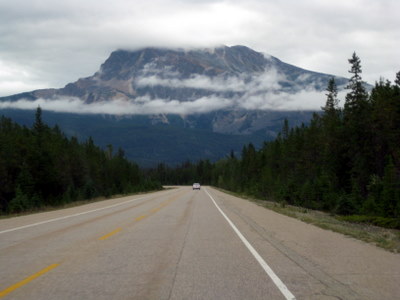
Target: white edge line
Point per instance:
(281, 286)
(69, 216)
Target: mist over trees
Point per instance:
(346, 161)
(40, 166)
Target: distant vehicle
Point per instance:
(196, 186)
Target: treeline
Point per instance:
(40, 166)
(346, 161)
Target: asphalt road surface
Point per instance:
(185, 244)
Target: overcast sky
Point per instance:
(49, 43)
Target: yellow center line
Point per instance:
(140, 218)
(27, 280)
(110, 234)
(156, 209)
(137, 219)
(51, 267)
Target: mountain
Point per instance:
(169, 105)
(186, 76)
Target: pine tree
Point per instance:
(332, 143)
(38, 126)
(358, 132)
(397, 80)
(357, 96)
(332, 101)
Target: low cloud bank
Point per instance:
(140, 106)
(304, 100)
(269, 80)
(269, 90)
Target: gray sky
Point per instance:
(49, 43)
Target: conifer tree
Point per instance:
(332, 101)
(358, 135)
(397, 80)
(332, 148)
(357, 95)
(38, 126)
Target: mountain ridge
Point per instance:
(119, 76)
(230, 94)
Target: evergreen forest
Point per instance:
(41, 167)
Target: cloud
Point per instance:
(302, 100)
(268, 90)
(269, 80)
(13, 79)
(59, 42)
(141, 106)
(147, 106)
(195, 82)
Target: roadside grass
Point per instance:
(388, 239)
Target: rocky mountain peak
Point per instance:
(233, 74)
(123, 64)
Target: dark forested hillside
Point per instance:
(347, 161)
(40, 166)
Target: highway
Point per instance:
(185, 244)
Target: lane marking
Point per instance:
(153, 211)
(140, 218)
(159, 207)
(70, 216)
(137, 219)
(110, 234)
(27, 280)
(51, 267)
(156, 209)
(278, 282)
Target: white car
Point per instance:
(196, 186)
